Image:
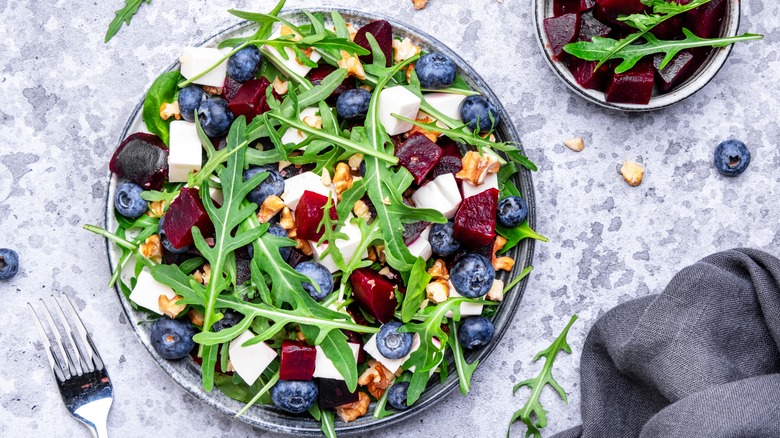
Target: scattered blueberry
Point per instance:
(320, 275)
(243, 65)
(128, 201)
(472, 275)
(172, 338)
(352, 104)
(512, 210)
(442, 239)
(278, 231)
(732, 157)
(229, 319)
(435, 71)
(362, 168)
(190, 98)
(273, 184)
(391, 343)
(476, 111)
(215, 117)
(9, 263)
(475, 332)
(164, 239)
(294, 396)
(396, 395)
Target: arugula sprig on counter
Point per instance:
(123, 16)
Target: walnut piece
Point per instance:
(439, 270)
(404, 50)
(361, 210)
(304, 246)
(352, 31)
(409, 70)
(354, 162)
(504, 263)
(496, 292)
(419, 4)
(476, 167)
(632, 172)
(168, 110)
(196, 317)
(437, 291)
(169, 307)
(203, 276)
(342, 179)
(272, 205)
(287, 220)
(376, 378)
(281, 87)
(156, 209)
(352, 411)
(352, 64)
(313, 121)
(212, 90)
(152, 248)
(325, 178)
(432, 135)
(577, 144)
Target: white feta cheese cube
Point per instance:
(250, 361)
(437, 343)
(392, 365)
(490, 182)
(441, 194)
(421, 247)
(291, 63)
(195, 60)
(446, 103)
(184, 151)
(324, 368)
(147, 291)
(347, 247)
(295, 186)
(292, 135)
(217, 195)
(397, 100)
(466, 309)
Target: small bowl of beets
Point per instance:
(644, 87)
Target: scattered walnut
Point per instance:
(212, 90)
(313, 121)
(169, 307)
(376, 377)
(632, 172)
(352, 411)
(352, 31)
(287, 30)
(156, 209)
(387, 273)
(196, 317)
(272, 205)
(476, 167)
(152, 248)
(299, 335)
(287, 220)
(409, 70)
(367, 87)
(437, 291)
(577, 144)
(282, 164)
(342, 179)
(203, 276)
(304, 246)
(352, 64)
(361, 210)
(404, 50)
(354, 162)
(432, 135)
(503, 263)
(280, 86)
(168, 110)
(496, 292)
(439, 270)
(325, 178)
(419, 4)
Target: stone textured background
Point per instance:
(65, 96)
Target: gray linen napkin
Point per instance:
(701, 359)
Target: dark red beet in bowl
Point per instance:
(382, 32)
(561, 31)
(186, 212)
(633, 86)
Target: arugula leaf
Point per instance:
(162, 90)
(123, 15)
(465, 370)
(328, 427)
(415, 290)
(515, 235)
(532, 413)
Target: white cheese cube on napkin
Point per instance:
(147, 291)
(397, 100)
(184, 151)
(195, 60)
(250, 362)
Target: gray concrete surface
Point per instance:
(64, 97)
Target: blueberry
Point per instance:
(172, 338)
(476, 111)
(475, 332)
(362, 168)
(229, 319)
(472, 275)
(164, 239)
(318, 274)
(352, 104)
(278, 231)
(128, 201)
(294, 396)
(732, 157)
(215, 117)
(391, 343)
(435, 71)
(190, 98)
(273, 184)
(396, 395)
(512, 210)
(442, 239)
(243, 65)
(9, 263)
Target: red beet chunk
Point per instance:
(374, 293)
(590, 27)
(296, 257)
(633, 86)
(561, 31)
(186, 212)
(251, 100)
(623, 6)
(563, 7)
(383, 34)
(449, 148)
(333, 393)
(143, 159)
(610, 18)
(475, 222)
(308, 215)
(354, 338)
(585, 74)
(230, 88)
(297, 361)
(680, 68)
(418, 155)
(669, 29)
(318, 74)
(706, 20)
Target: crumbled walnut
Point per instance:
(387, 273)
(352, 31)
(432, 135)
(632, 172)
(152, 248)
(168, 110)
(354, 162)
(313, 121)
(272, 205)
(498, 244)
(287, 220)
(577, 144)
(367, 87)
(203, 276)
(287, 30)
(404, 50)
(304, 246)
(352, 64)
(212, 90)
(386, 201)
(376, 377)
(361, 210)
(352, 411)
(437, 291)
(476, 167)
(496, 292)
(325, 178)
(504, 263)
(299, 335)
(409, 70)
(169, 307)
(282, 164)
(196, 317)
(280, 86)
(419, 4)
(342, 179)
(439, 270)
(156, 209)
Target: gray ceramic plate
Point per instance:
(187, 373)
(544, 8)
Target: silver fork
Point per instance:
(78, 369)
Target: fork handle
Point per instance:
(99, 431)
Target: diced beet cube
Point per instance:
(297, 362)
(585, 74)
(623, 6)
(475, 222)
(143, 159)
(318, 74)
(413, 230)
(186, 212)
(230, 88)
(375, 293)
(251, 100)
(563, 7)
(418, 155)
(590, 27)
(633, 86)
(354, 311)
(448, 164)
(610, 18)
(296, 257)
(680, 68)
(383, 34)
(561, 31)
(308, 215)
(333, 393)
(449, 148)
(354, 338)
(669, 29)
(706, 20)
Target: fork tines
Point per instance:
(74, 358)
